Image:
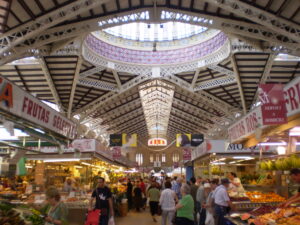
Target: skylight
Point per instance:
(286, 57)
(25, 61)
(168, 31)
(157, 102)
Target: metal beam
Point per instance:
(266, 73)
(196, 75)
(10, 39)
(238, 79)
(60, 44)
(51, 83)
(91, 71)
(98, 84)
(117, 78)
(215, 83)
(222, 70)
(74, 84)
(273, 22)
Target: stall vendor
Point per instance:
(295, 175)
(235, 183)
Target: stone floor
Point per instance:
(138, 218)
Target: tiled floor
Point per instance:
(141, 218)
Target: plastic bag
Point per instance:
(209, 218)
(111, 221)
(93, 217)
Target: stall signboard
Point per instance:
(246, 126)
(115, 140)
(16, 101)
(197, 139)
(187, 154)
(272, 104)
(85, 145)
(221, 146)
(292, 97)
(116, 153)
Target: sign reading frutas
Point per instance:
(20, 103)
(273, 105)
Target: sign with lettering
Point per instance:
(246, 126)
(22, 104)
(273, 105)
(157, 142)
(292, 97)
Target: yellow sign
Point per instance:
(183, 140)
(129, 140)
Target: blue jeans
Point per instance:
(220, 211)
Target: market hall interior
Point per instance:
(169, 104)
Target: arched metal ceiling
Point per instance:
(53, 31)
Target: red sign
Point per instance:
(187, 154)
(273, 104)
(116, 153)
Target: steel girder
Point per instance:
(278, 24)
(91, 71)
(24, 32)
(102, 85)
(51, 84)
(74, 84)
(239, 83)
(215, 83)
(266, 73)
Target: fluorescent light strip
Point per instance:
(272, 144)
(65, 160)
(243, 157)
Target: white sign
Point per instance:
(20, 103)
(246, 126)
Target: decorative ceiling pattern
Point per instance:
(208, 95)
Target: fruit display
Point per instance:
(262, 210)
(215, 170)
(264, 180)
(288, 163)
(8, 216)
(257, 196)
(239, 199)
(287, 216)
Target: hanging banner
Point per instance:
(197, 139)
(16, 101)
(273, 104)
(129, 140)
(187, 154)
(116, 153)
(115, 140)
(183, 140)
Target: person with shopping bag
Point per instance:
(104, 202)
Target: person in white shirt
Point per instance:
(222, 202)
(235, 183)
(167, 201)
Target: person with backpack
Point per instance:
(104, 202)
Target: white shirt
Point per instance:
(239, 188)
(167, 200)
(221, 196)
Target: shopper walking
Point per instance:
(55, 209)
(129, 193)
(222, 202)
(153, 195)
(104, 202)
(138, 199)
(167, 201)
(185, 207)
(201, 197)
(176, 187)
(210, 205)
(194, 189)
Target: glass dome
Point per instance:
(155, 32)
